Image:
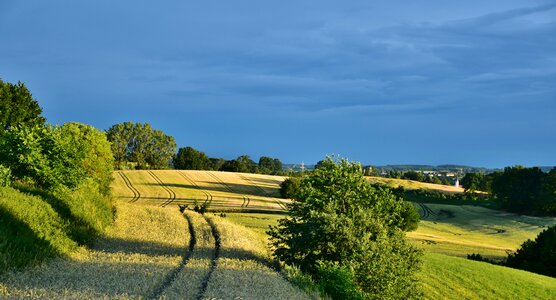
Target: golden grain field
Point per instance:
(223, 191)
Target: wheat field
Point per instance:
(222, 191)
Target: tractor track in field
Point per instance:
(187, 255)
(208, 195)
(214, 260)
(171, 193)
(265, 193)
(426, 211)
(136, 193)
(246, 199)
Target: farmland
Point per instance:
(223, 191)
(154, 251)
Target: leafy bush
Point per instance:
(339, 219)
(338, 282)
(289, 187)
(537, 256)
(54, 156)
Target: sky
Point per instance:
(380, 82)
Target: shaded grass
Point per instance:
(462, 230)
(138, 251)
(30, 230)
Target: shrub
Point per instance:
(289, 187)
(339, 219)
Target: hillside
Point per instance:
(415, 185)
(224, 191)
(153, 252)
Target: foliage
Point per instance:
(269, 165)
(141, 144)
(54, 156)
(537, 256)
(472, 182)
(526, 190)
(338, 218)
(17, 106)
(338, 282)
(189, 158)
(289, 187)
(243, 164)
(5, 176)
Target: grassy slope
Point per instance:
(143, 245)
(462, 230)
(447, 277)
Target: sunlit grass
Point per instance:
(462, 230)
(415, 185)
(448, 277)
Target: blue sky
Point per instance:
(381, 82)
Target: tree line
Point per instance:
(517, 189)
(139, 146)
(189, 158)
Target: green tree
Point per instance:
(17, 106)
(289, 187)
(160, 150)
(141, 144)
(413, 175)
(121, 138)
(216, 163)
(472, 182)
(189, 158)
(269, 165)
(537, 256)
(338, 218)
(518, 189)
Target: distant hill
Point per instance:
(439, 168)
